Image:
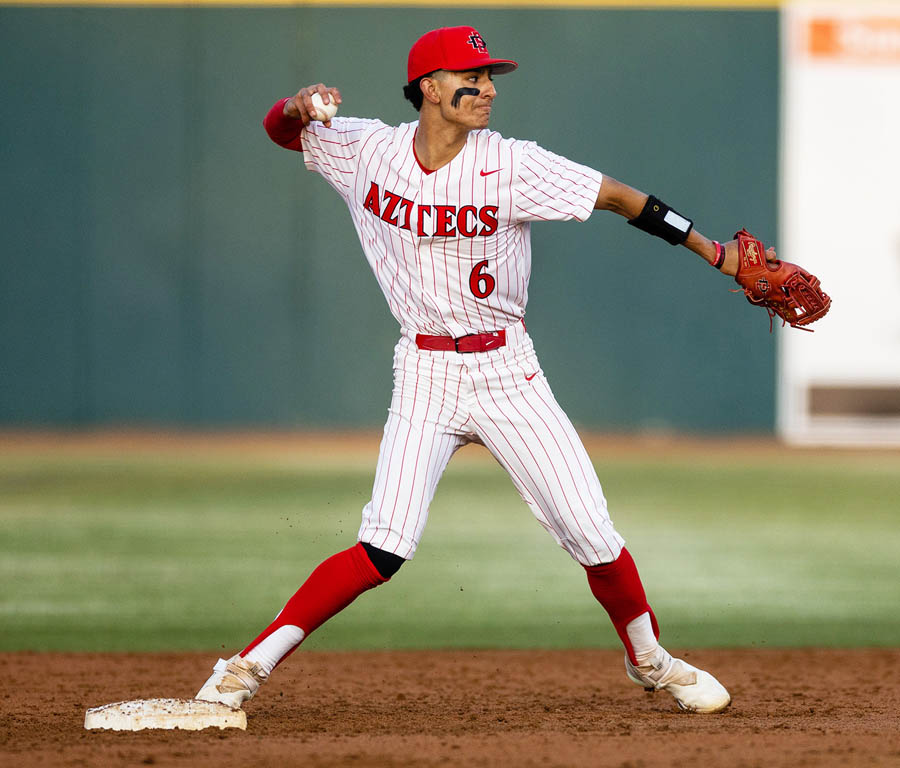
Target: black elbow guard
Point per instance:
(658, 219)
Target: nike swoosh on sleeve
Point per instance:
(488, 173)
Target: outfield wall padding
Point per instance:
(163, 263)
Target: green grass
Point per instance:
(151, 553)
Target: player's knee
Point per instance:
(386, 563)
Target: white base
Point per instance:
(187, 714)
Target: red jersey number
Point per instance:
(481, 283)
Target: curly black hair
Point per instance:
(412, 92)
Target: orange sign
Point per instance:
(874, 39)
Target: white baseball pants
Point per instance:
(443, 400)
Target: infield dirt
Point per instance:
(466, 708)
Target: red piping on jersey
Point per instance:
(425, 170)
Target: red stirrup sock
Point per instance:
(617, 587)
(329, 589)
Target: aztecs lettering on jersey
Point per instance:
(450, 248)
(431, 220)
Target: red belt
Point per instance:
(474, 342)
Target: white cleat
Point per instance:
(232, 682)
(693, 689)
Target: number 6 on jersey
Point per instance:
(481, 283)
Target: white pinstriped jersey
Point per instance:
(451, 248)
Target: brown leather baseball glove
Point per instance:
(784, 289)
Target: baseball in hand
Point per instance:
(324, 112)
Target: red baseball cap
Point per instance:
(453, 48)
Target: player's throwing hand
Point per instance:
(301, 107)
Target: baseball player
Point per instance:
(443, 208)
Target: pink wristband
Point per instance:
(720, 255)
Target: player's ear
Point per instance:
(430, 89)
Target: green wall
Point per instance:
(164, 263)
